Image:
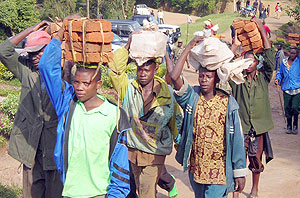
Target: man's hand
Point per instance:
(258, 23)
(195, 41)
(239, 184)
(60, 33)
(127, 46)
(40, 26)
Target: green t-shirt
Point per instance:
(88, 173)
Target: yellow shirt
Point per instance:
(208, 156)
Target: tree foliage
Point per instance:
(111, 9)
(17, 15)
(57, 8)
(294, 11)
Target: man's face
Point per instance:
(145, 74)
(84, 88)
(207, 81)
(253, 66)
(35, 57)
(167, 32)
(293, 53)
(179, 44)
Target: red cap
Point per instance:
(36, 41)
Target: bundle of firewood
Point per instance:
(249, 35)
(86, 41)
(293, 39)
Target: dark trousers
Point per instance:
(39, 183)
(291, 105)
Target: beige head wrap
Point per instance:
(213, 54)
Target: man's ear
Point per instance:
(99, 83)
(156, 67)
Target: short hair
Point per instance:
(204, 69)
(150, 62)
(87, 69)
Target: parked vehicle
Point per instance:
(247, 12)
(140, 19)
(117, 42)
(124, 28)
(173, 29)
(142, 9)
(20, 47)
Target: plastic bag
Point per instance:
(147, 45)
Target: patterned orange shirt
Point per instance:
(208, 155)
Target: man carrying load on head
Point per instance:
(211, 145)
(90, 152)
(153, 113)
(33, 136)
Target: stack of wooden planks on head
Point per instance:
(293, 39)
(249, 35)
(88, 41)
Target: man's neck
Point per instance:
(251, 75)
(149, 86)
(209, 95)
(92, 103)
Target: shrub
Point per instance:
(9, 105)
(3, 141)
(6, 125)
(4, 73)
(294, 11)
(105, 78)
(10, 191)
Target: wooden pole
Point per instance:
(234, 8)
(98, 9)
(88, 9)
(281, 103)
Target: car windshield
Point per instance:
(117, 38)
(152, 18)
(141, 6)
(136, 26)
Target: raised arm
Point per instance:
(18, 65)
(19, 37)
(176, 72)
(117, 75)
(59, 91)
(264, 36)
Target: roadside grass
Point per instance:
(224, 20)
(10, 191)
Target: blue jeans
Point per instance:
(207, 190)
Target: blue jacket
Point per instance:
(188, 98)
(63, 98)
(289, 79)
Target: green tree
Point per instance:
(294, 11)
(111, 9)
(57, 8)
(17, 15)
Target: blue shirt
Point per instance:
(289, 79)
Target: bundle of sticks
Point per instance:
(249, 35)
